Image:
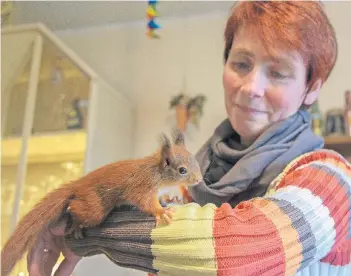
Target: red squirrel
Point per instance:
(89, 199)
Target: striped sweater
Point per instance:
(301, 227)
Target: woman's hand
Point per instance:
(43, 256)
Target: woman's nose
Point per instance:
(254, 84)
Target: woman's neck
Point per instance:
(247, 141)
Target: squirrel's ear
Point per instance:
(166, 153)
(178, 137)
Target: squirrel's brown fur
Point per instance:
(89, 199)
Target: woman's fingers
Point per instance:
(67, 266)
(43, 256)
(36, 258)
(50, 262)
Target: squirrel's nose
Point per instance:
(198, 180)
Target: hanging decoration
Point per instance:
(188, 110)
(152, 13)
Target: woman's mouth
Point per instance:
(249, 109)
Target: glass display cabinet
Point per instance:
(59, 120)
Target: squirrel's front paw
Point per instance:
(166, 214)
(78, 232)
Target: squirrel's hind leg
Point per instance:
(83, 215)
(76, 229)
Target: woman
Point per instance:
(273, 201)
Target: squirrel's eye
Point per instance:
(182, 170)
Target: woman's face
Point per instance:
(260, 90)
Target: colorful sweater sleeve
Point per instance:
(304, 219)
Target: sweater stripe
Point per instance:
(324, 269)
(341, 256)
(343, 176)
(289, 236)
(242, 238)
(184, 255)
(306, 159)
(333, 195)
(300, 224)
(316, 214)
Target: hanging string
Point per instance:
(184, 52)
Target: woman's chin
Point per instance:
(248, 129)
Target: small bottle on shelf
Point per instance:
(347, 111)
(316, 119)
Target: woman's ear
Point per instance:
(313, 93)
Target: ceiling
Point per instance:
(61, 15)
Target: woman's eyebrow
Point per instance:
(282, 60)
(243, 51)
(286, 62)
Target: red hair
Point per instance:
(289, 25)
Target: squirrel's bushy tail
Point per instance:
(27, 230)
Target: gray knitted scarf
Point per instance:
(234, 173)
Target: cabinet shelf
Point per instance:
(341, 144)
(54, 147)
(337, 140)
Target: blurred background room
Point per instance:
(85, 83)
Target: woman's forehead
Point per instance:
(280, 56)
(247, 42)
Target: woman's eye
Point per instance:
(277, 75)
(182, 170)
(241, 66)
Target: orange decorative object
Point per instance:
(182, 117)
(188, 110)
